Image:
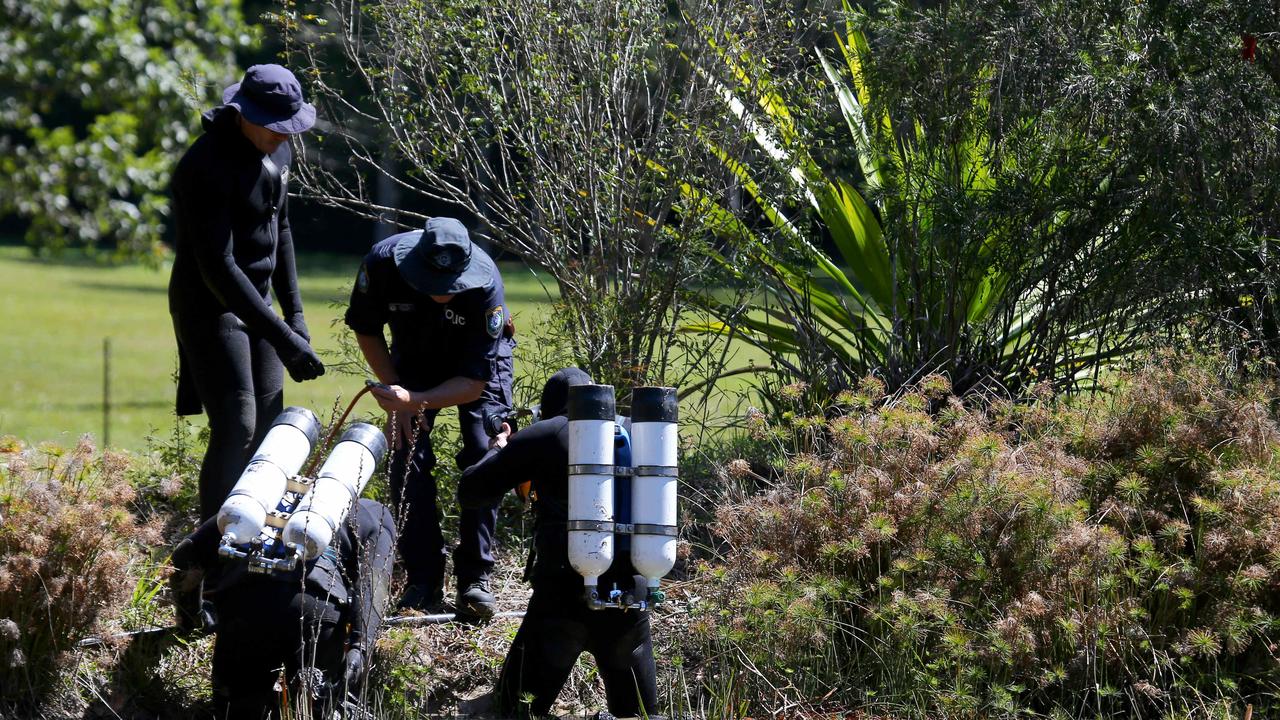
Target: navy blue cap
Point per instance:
(270, 96)
(442, 260)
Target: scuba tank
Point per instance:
(342, 478)
(266, 478)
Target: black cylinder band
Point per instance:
(303, 419)
(654, 404)
(369, 436)
(591, 402)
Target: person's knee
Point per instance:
(624, 647)
(267, 408)
(233, 422)
(623, 656)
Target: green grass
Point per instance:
(56, 316)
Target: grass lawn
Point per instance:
(56, 315)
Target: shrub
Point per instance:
(1118, 557)
(65, 545)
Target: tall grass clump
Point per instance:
(918, 556)
(66, 539)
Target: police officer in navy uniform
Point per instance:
(318, 621)
(233, 246)
(558, 625)
(451, 345)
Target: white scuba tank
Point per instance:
(590, 517)
(654, 449)
(342, 478)
(279, 457)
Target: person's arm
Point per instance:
(199, 550)
(207, 201)
(457, 390)
(482, 485)
(378, 356)
(406, 404)
(475, 369)
(284, 279)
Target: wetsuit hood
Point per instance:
(219, 118)
(555, 394)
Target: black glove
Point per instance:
(186, 602)
(192, 615)
(297, 324)
(185, 586)
(353, 669)
(300, 360)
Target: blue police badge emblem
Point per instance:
(493, 321)
(362, 279)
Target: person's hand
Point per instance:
(394, 399)
(500, 440)
(301, 361)
(297, 324)
(353, 667)
(184, 587)
(403, 418)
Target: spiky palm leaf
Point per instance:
(872, 310)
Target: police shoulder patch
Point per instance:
(362, 279)
(493, 321)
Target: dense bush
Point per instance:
(67, 539)
(1113, 559)
(974, 184)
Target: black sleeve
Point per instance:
(483, 484)
(199, 550)
(206, 199)
(284, 278)
(375, 535)
(366, 313)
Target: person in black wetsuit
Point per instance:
(558, 626)
(451, 344)
(319, 622)
(233, 244)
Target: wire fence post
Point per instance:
(106, 392)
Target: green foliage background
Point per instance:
(1002, 192)
(97, 100)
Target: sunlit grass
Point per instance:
(56, 316)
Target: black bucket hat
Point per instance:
(270, 96)
(442, 260)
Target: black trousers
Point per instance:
(264, 626)
(240, 381)
(416, 498)
(558, 626)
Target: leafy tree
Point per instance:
(97, 99)
(533, 120)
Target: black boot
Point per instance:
(475, 600)
(423, 597)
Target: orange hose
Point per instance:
(324, 447)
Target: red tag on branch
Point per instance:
(1249, 47)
